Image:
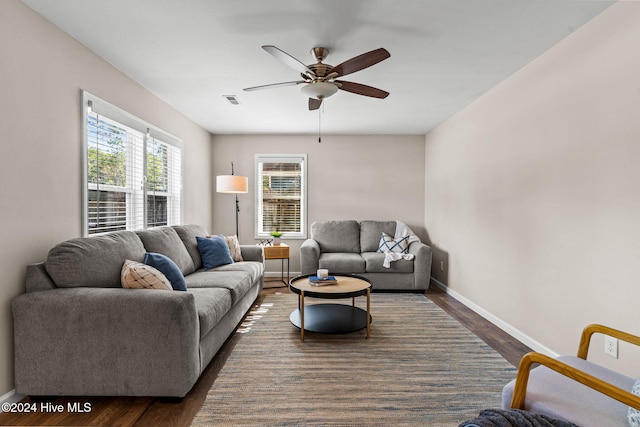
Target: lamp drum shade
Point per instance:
(232, 184)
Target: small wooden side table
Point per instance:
(280, 252)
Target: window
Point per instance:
(281, 195)
(132, 171)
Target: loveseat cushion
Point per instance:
(374, 260)
(188, 234)
(370, 232)
(165, 241)
(337, 236)
(211, 304)
(94, 261)
(342, 262)
(237, 282)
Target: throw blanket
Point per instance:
(513, 418)
(402, 230)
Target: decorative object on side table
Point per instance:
(276, 237)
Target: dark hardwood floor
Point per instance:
(148, 411)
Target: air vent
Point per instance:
(232, 99)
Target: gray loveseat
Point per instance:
(78, 332)
(350, 246)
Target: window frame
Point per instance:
(149, 132)
(284, 158)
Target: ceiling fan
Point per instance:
(319, 79)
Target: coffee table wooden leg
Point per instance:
(368, 310)
(302, 316)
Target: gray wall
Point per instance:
(349, 177)
(532, 197)
(42, 73)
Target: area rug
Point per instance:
(419, 367)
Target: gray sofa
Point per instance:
(349, 246)
(78, 332)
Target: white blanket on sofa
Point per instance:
(402, 230)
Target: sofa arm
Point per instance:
(421, 264)
(252, 253)
(106, 341)
(309, 256)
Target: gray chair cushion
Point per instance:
(211, 304)
(370, 232)
(165, 241)
(238, 282)
(93, 261)
(374, 260)
(337, 236)
(557, 396)
(342, 262)
(188, 234)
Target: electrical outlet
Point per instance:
(611, 346)
(441, 265)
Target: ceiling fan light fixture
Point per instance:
(319, 90)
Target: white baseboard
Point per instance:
(514, 332)
(11, 397)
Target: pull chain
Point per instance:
(320, 124)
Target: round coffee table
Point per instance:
(331, 318)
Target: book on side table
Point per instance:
(317, 281)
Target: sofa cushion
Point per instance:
(337, 236)
(166, 266)
(255, 269)
(370, 232)
(214, 251)
(374, 261)
(94, 261)
(188, 234)
(211, 304)
(342, 262)
(136, 275)
(237, 282)
(165, 241)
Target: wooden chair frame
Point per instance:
(624, 396)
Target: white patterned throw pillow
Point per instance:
(389, 244)
(634, 415)
(234, 248)
(136, 275)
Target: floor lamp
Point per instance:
(233, 184)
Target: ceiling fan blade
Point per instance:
(314, 104)
(361, 89)
(288, 59)
(249, 89)
(360, 62)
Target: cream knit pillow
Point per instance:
(136, 275)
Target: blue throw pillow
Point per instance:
(214, 251)
(168, 268)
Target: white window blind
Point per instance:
(133, 171)
(281, 195)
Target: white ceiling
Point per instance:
(444, 54)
